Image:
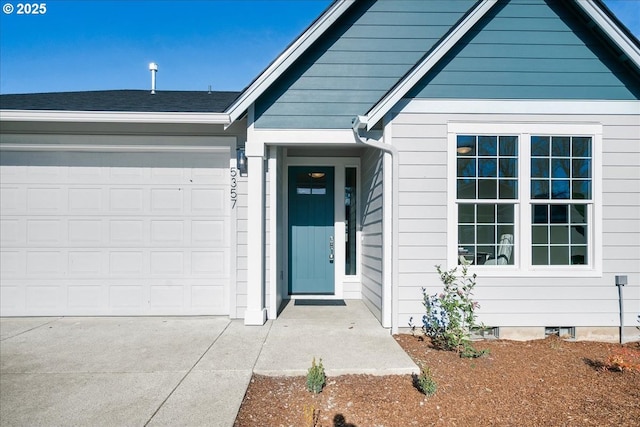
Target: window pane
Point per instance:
(486, 234)
(493, 233)
(540, 168)
(486, 214)
(579, 255)
(540, 146)
(508, 168)
(466, 145)
(578, 214)
(578, 235)
(487, 167)
(559, 255)
(581, 190)
(539, 189)
(560, 168)
(508, 189)
(467, 167)
(487, 146)
(466, 189)
(466, 213)
(508, 146)
(505, 214)
(564, 236)
(581, 147)
(540, 214)
(559, 214)
(539, 235)
(560, 146)
(466, 234)
(350, 215)
(487, 189)
(581, 168)
(559, 234)
(560, 190)
(505, 229)
(540, 255)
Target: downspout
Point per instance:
(359, 124)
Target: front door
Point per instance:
(311, 230)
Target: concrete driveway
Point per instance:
(178, 371)
(125, 371)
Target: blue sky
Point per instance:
(95, 45)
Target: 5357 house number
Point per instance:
(234, 187)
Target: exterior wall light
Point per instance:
(241, 161)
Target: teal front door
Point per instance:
(311, 230)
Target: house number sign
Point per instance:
(234, 187)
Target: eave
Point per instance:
(113, 117)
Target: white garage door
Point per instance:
(87, 233)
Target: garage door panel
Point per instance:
(12, 231)
(86, 200)
(209, 232)
(13, 199)
(129, 263)
(208, 201)
(88, 232)
(46, 200)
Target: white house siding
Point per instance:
(372, 230)
(115, 225)
(519, 300)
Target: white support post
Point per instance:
(256, 312)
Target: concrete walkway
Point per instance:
(191, 371)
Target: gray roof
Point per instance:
(122, 100)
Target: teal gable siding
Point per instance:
(530, 49)
(356, 62)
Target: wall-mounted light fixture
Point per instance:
(241, 162)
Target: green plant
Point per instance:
(316, 377)
(450, 316)
(425, 382)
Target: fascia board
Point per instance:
(419, 71)
(284, 61)
(112, 117)
(613, 31)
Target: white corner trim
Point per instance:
(419, 71)
(616, 34)
(112, 117)
(282, 62)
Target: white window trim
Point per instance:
(522, 251)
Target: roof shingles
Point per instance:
(122, 100)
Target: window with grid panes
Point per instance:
(487, 194)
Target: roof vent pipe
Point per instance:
(153, 67)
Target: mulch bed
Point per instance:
(550, 382)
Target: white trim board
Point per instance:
(510, 106)
(113, 117)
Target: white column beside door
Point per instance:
(256, 312)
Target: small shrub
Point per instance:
(425, 382)
(450, 316)
(316, 377)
